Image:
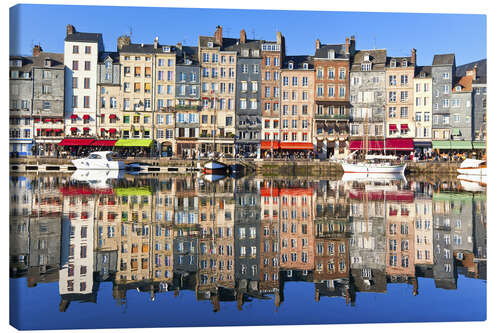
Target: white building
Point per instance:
(81, 52)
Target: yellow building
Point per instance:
(422, 106)
(218, 93)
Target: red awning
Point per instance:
(393, 127)
(404, 127)
(112, 116)
(86, 116)
(74, 116)
(38, 129)
(58, 130)
(75, 142)
(86, 129)
(37, 120)
(296, 145)
(103, 130)
(372, 145)
(48, 130)
(267, 191)
(73, 129)
(398, 196)
(399, 144)
(47, 120)
(267, 144)
(112, 130)
(103, 143)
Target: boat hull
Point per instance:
(373, 168)
(472, 171)
(215, 168)
(85, 164)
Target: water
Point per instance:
(135, 251)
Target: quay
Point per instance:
(314, 168)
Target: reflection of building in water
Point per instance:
(247, 238)
(20, 211)
(444, 270)
(332, 230)
(76, 281)
(216, 265)
(400, 231)
(270, 206)
(368, 241)
(238, 240)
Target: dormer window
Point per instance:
(107, 64)
(210, 44)
(405, 63)
(48, 62)
(255, 53)
(367, 57)
(459, 88)
(366, 67)
(245, 52)
(393, 63)
(422, 74)
(331, 54)
(188, 62)
(166, 49)
(26, 75)
(290, 65)
(306, 66)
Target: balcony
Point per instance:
(344, 117)
(370, 119)
(187, 107)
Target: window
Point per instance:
(86, 83)
(75, 65)
(83, 251)
(88, 49)
(342, 74)
(86, 102)
(87, 65)
(446, 103)
(392, 96)
(392, 112)
(392, 80)
(319, 73)
(366, 67)
(418, 116)
(404, 112)
(404, 96)
(404, 80)
(304, 82)
(75, 49)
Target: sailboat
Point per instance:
(373, 163)
(213, 166)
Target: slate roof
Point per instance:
(377, 57)
(114, 55)
(146, 48)
(340, 51)
(187, 52)
(235, 45)
(83, 37)
(299, 61)
(481, 71)
(30, 62)
(399, 61)
(427, 70)
(228, 44)
(443, 59)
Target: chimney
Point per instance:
(414, 57)
(318, 44)
(353, 45)
(70, 30)
(474, 72)
(347, 45)
(243, 36)
(36, 50)
(122, 41)
(179, 46)
(218, 35)
(278, 37)
(155, 44)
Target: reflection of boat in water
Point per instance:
(471, 166)
(473, 183)
(213, 177)
(375, 167)
(96, 178)
(368, 177)
(99, 160)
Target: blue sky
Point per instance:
(462, 34)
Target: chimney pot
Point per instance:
(414, 57)
(36, 50)
(70, 30)
(347, 45)
(318, 44)
(218, 35)
(243, 36)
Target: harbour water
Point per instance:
(116, 251)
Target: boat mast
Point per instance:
(214, 121)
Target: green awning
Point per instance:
(458, 196)
(464, 145)
(134, 143)
(129, 191)
(479, 144)
(456, 131)
(443, 144)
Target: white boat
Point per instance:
(214, 167)
(99, 160)
(471, 166)
(375, 167)
(213, 177)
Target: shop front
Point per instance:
(391, 146)
(134, 148)
(269, 148)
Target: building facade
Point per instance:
(443, 73)
(422, 106)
